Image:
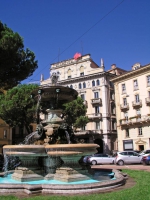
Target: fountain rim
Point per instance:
(23, 146)
(50, 146)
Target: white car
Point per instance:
(144, 152)
(127, 157)
(100, 159)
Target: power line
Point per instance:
(81, 36)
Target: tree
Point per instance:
(17, 107)
(16, 64)
(75, 112)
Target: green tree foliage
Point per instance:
(75, 112)
(16, 64)
(17, 107)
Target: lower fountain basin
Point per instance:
(57, 187)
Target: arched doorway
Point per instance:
(100, 143)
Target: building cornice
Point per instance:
(72, 61)
(131, 74)
(85, 77)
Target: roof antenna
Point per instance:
(58, 54)
(81, 48)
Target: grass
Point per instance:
(141, 191)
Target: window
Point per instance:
(148, 80)
(123, 88)
(96, 95)
(97, 82)
(83, 97)
(127, 132)
(126, 116)
(5, 133)
(135, 85)
(84, 85)
(138, 112)
(71, 86)
(96, 109)
(93, 83)
(69, 73)
(97, 125)
(130, 153)
(113, 125)
(149, 94)
(137, 99)
(81, 71)
(80, 86)
(140, 131)
(124, 153)
(125, 101)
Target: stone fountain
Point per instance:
(59, 161)
(58, 153)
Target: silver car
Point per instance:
(127, 157)
(100, 159)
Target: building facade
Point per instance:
(93, 85)
(132, 97)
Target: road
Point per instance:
(134, 167)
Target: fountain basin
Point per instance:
(64, 188)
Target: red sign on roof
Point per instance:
(77, 56)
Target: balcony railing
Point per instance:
(147, 100)
(94, 115)
(87, 132)
(135, 121)
(96, 101)
(124, 107)
(136, 104)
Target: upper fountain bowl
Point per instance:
(64, 94)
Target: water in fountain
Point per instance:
(68, 137)
(29, 138)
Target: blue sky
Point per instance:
(117, 31)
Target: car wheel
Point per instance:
(120, 162)
(94, 162)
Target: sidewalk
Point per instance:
(134, 167)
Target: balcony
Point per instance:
(137, 104)
(147, 100)
(88, 132)
(113, 115)
(124, 107)
(135, 121)
(96, 101)
(95, 116)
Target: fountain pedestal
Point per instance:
(71, 170)
(67, 174)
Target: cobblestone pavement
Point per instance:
(134, 167)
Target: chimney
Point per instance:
(102, 63)
(113, 66)
(42, 77)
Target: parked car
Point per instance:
(100, 159)
(144, 152)
(146, 159)
(127, 157)
(83, 160)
